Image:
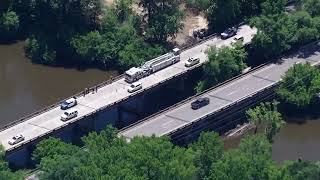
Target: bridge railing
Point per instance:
(197, 95)
(50, 107)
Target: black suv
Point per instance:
(199, 103)
(229, 33)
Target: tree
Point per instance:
(298, 170)
(273, 7)
(209, 149)
(51, 147)
(266, 117)
(9, 24)
(222, 14)
(40, 51)
(312, 7)
(252, 160)
(223, 64)
(163, 19)
(300, 85)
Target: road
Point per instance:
(220, 97)
(46, 122)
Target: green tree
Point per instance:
(223, 64)
(312, 7)
(40, 51)
(123, 9)
(299, 85)
(209, 149)
(273, 7)
(163, 18)
(51, 147)
(222, 14)
(298, 170)
(252, 160)
(266, 117)
(9, 24)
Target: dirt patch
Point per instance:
(108, 2)
(192, 21)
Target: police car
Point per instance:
(68, 103)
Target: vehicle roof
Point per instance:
(70, 100)
(136, 83)
(71, 110)
(133, 71)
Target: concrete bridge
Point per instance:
(111, 104)
(228, 102)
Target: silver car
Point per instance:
(16, 139)
(192, 61)
(69, 114)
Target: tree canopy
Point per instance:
(223, 64)
(299, 85)
(266, 117)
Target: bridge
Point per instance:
(227, 102)
(102, 107)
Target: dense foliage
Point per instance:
(222, 14)
(223, 64)
(106, 156)
(300, 85)
(267, 118)
(86, 33)
(279, 31)
(9, 24)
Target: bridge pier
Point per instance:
(131, 111)
(105, 117)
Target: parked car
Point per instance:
(135, 87)
(16, 139)
(237, 39)
(69, 114)
(200, 33)
(68, 103)
(229, 33)
(192, 61)
(199, 103)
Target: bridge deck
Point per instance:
(46, 122)
(182, 115)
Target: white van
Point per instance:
(69, 114)
(134, 87)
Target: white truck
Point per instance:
(156, 64)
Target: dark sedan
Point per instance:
(199, 103)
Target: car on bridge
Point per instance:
(238, 38)
(69, 103)
(200, 102)
(229, 33)
(192, 61)
(16, 139)
(135, 87)
(69, 114)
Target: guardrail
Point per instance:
(197, 95)
(50, 107)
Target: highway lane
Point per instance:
(220, 97)
(116, 91)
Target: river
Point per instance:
(27, 87)
(298, 140)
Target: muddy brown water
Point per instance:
(26, 87)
